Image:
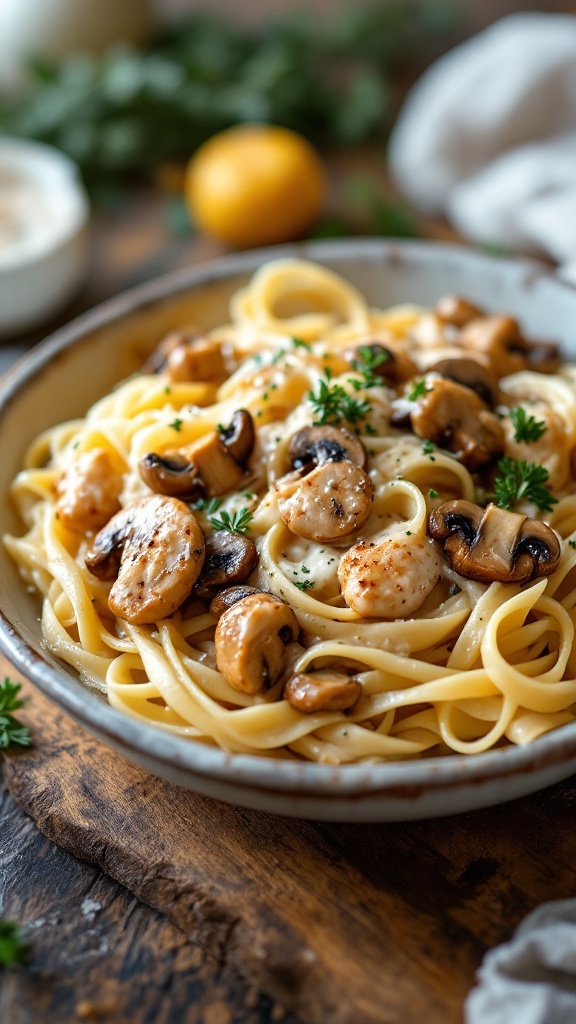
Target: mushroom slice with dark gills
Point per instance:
(470, 374)
(252, 639)
(226, 598)
(492, 544)
(324, 690)
(229, 558)
(455, 418)
(314, 446)
(209, 467)
(155, 549)
(329, 494)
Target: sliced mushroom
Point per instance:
(470, 374)
(89, 492)
(229, 558)
(499, 340)
(453, 310)
(395, 365)
(226, 598)
(187, 356)
(239, 436)
(251, 641)
(209, 467)
(314, 446)
(156, 549)
(325, 690)
(492, 544)
(454, 418)
(174, 475)
(330, 502)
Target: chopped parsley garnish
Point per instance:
(298, 343)
(207, 505)
(176, 424)
(369, 359)
(433, 494)
(332, 403)
(304, 585)
(167, 390)
(305, 569)
(12, 944)
(418, 390)
(428, 447)
(11, 730)
(238, 522)
(519, 480)
(572, 543)
(527, 428)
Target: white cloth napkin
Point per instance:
(532, 979)
(488, 137)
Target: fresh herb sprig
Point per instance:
(304, 585)
(518, 480)
(11, 730)
(527, 429)
(12, 944)
(367, 363)
(332, 403)
(237, 522)
(418, 390)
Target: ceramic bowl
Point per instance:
(65, 374)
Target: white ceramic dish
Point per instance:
(65, 374)
(43, 234)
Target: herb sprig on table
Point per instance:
(12, 944)
(129, 111)
(11, 730)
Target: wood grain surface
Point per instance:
(337, 924)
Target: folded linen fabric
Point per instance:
(488, 136)
(532, 978)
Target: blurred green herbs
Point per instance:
(12, 944)
(128, 111)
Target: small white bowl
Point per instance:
(43, 234)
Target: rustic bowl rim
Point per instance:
(245, 771)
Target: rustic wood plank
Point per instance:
(98, 953)
(337, 923)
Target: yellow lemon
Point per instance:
(255, 185)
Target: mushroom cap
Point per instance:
(493, 544)
(226, 598)
(325, 690)
(239, 436)
(470, 374)
(454, 310)
(332, 501)
(156, 547)
(174, 475)
(454, 417)
(251, 642)
(229, 558)
(314, 446)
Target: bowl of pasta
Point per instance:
(296, 529)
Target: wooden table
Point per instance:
(407, 911)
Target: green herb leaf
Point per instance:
(12, 944)
(418, 390)
(527, 428)
(332, 404)
(433, 494)
(176, 424)
(368, 361)
(238, 522)
(304, 585)
(519, 480)
(428, 447)
(11, 730)
(298, 343)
